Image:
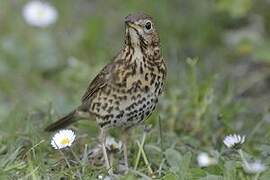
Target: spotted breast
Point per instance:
(133, 92)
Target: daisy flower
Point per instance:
(204, 160)
(39, 13)
(234, 141)
(254, 167)
(104, 178)
(72, 61)
(62, 139)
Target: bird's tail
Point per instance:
(63, 122)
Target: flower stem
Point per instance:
(257, 176)
(74, 155)
(65, 158)
(243, 157)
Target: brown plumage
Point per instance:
(126, 91)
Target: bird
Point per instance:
(126, 91)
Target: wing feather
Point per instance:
(101, 80)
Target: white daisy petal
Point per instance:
(204, 160)
(243, 139)
(234, 141)
(254, 167)
(39, 13)
(62, 139)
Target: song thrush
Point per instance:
(126, 91)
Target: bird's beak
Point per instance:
(130, 22)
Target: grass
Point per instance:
(213, 88)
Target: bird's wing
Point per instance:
(101, 80)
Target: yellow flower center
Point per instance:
(40, 13)
(65, 141)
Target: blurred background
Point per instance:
(217, 52)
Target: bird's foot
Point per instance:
(110, 172)
(123, 168)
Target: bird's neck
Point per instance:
(140, 52)
(139, 45)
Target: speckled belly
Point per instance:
(128, 112)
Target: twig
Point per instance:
(145, 158)
(139, 154)
(142, 152)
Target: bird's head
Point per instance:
(141, 31)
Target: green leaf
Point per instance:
(173, 158)
(265, 175)
(236, 8)
(230, 170)
(212, 177)
(197, 173)
(216, 170)
(262, 54)
(184, 166)
(178, 163)
(192, 61)
(129, 177)
(169, 176)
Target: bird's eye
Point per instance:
(148, 25)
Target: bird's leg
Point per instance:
(125, 142)
(103, 142)
(125, 155)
